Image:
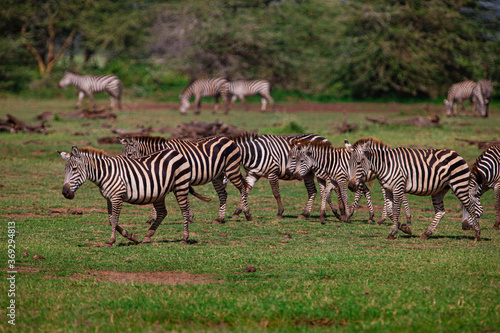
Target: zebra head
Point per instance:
(303, 162)
(66, 80)
(476, 182)
(184, 104)
(359, 164)
(76, 172)
(131, 147)
(449, 107)
(291, 162)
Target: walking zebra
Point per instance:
(215, 87)
(88, 85)
(331, 165)
(266, 156)
(458, 93)
(485, 174)
(211, 159)
(481, 97)
(137, 181)
(423, 172)
(240, 89)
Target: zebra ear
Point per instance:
(129, 140)
(348, 146)
(64, 155)
(122, 140)
(75, 152)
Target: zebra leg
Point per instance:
(385, 209)
(263, 104)
(497, 206)
(407, 210)
(114, 209)
(366, 191)
(311, 195)
(244, 102)
(216, 106)
(197, 103)
(275, 187)
(225, 100)
(323, 192)
(342, 185)
(250, 179)
(91, 97)
(329, 188)
(81, 95)
(161, 212)
(437, 201)
(395, 199)
(152, 217)
(220, 188)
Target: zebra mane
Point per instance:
(312, 143)
(243, 137)
(375, 142)
(148, 138)
(93, 151)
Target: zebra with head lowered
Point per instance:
(330, 165)
(481, 97)
(266, 156)
(211, 160)
(241, 88)
(88, 85)
(423, 172)
(458, 93)
(485, 174)
(137, 181)
(214, 87)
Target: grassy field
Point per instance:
(331, 277)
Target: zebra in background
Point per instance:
(215, 87)
(241, 88)
(458, 93)
(485, 175)
(266, 156)
(423, 172)
(136, 181)
(88, 85)
(211, 160)
(481, 97)
(331, 165)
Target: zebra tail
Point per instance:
(197, 195)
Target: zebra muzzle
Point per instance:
(352, 185)
(66, 191)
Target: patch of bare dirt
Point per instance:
(163, 277)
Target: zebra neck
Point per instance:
(97, 169)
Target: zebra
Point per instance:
(212, 159)
(331, 165)
(457, 93)
(136, 181)
(485, 174)
(88, 85)
(214, 87)
(266, 156)
(423, 172)
(241, 88)
(481, 97)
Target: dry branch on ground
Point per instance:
(481, 144)
(418, 121)
(14, 125)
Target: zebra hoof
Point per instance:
(370, 221)
(216, 222)
(235, 216)
(301, 216)
(184, 241)
(146, 240)
(406, 229)
(249, 217)
(280, 217)
(424, 236)
(466, 225)
(391, 237)
(495, 227)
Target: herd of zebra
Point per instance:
(214, 87)
(480, 93)
(151, 167)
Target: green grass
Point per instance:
(332, 277)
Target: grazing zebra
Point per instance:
(137, 181)
(423, 172)
(481, 97)
(215, 87)
(240, 89)
(88, 85)
(211, 159)
(458, 93)
(485, 174)
(331, 165)
(266, 156)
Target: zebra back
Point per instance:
(249, 87)
(90, 83)
(205, 88)
(486, 169)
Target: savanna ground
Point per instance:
(308, 276)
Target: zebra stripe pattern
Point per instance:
(458, 93)
(423, 172)
(88, 85)
(481, 97)
(137, 181)
(211, 159)
(266, 156)
(241, 88)
(214, 87)
(485, 175)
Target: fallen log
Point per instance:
(481, 144)
(14, 125)
(418, 121)
(140, 131)
(91, 114)
(345, 126)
